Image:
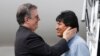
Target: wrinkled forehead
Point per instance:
(34, 12)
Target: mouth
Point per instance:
(58, 31)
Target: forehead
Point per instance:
(34, 12)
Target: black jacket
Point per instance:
(29, 43)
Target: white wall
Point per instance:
(48, 10)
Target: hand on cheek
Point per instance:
(69, 33)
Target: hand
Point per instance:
(69, 33)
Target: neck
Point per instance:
(27, 26)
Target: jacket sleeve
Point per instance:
(37, 46)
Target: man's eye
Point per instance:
(59, 24)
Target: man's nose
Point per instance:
(56, 27)
(38, 19)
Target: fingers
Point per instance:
(67, 30)
(72, 32)
(69, 33)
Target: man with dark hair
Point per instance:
(28, 43)
(76, 44)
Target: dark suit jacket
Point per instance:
(29, 43)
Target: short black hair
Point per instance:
(24, 10)
(69, 18)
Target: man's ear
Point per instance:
(26, 19)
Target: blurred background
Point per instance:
(48, 11)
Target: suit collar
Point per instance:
(24, 27)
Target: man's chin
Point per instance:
(34, 29)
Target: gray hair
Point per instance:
(24, 10)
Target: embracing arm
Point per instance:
(37, 46)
